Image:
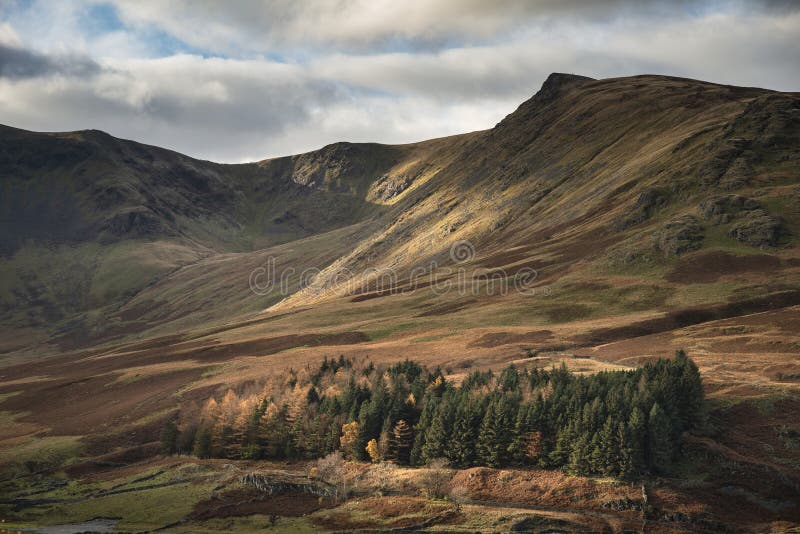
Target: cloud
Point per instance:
(286, 26)
(17, 63)
(364, 76)
(208, 107)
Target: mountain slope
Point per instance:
(593, 169)
(621, 174)
(89, 221)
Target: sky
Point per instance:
(246, 80)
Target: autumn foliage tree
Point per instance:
(373, 451)
(349, 439)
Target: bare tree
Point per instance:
(382, 476)
(435, 478)
(332, 469)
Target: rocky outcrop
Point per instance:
(646, 205)
(758, 229)
(679, 236)
(729, 156)
(388, 187)
(752, 224)
(624, 504)
(555, 83)
(136, 222)
(723, 208)
(272, 485)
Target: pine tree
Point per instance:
(659, 440)
(606, 460)
(461, 449)
(691, 392)
(636, 440)
(495, 434)
(425, 420)
(487, 440)
(579, 463)
(437, 434)
(202, 443)
(559, 456)
(625, 466)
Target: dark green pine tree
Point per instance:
(623, 457)
(425, 420)
(517, 450)
(437, 434)
(691, 392)
(496, 434)
(371, 417)
(486, 436)
(636, 433)
(659, 440)
(461, 450)
(560, 454)
(202, 443)
(596, 461)
(579, 456)
(606, 461)
(609, 445)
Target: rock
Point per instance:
(555, 84)
(278, 485)
(726, 207)
(738, 174)
(389, 187)
(758, 229)
(135, 222)
(624, 504)
(729, 159)
(646, 205)
(679, 236)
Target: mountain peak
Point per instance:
(552, 88)
(557, 81)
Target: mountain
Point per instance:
(90, 221)
(602, 224)
(619, 175)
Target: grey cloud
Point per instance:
(224, 110)
(19, 63)
(785, 6)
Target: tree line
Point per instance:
(616, 423)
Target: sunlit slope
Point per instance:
(612, 175)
